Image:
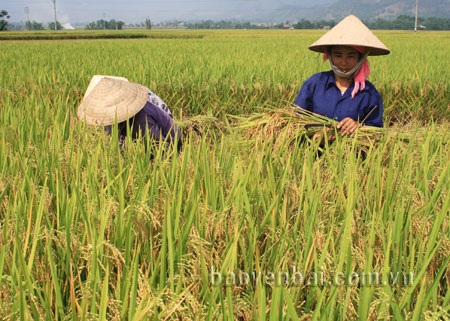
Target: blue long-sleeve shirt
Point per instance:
(320, 94)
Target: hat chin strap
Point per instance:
(349, 74)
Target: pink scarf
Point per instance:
(361, 75)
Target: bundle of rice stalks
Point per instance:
(293, 124)
(198, 124)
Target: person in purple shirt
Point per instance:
(344, 93)
(138, 112)
(154, 117)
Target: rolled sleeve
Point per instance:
(374, 111)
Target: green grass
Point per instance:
(89, 233)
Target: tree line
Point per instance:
(95, 25)
(405, 22)
(3, 22)
(104, 24)
(402, 22)
(34, 25)
(223, 24)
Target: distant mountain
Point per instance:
(363, 9)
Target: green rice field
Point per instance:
(247, 222)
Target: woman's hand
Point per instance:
(320, 136)
(347, 126)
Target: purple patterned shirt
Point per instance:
(157, 121)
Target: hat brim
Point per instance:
(374, 51)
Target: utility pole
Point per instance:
(54, 7)
(104, 21)
(417, 9)
(27, 11)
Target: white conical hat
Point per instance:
(111, 100)
(350, 32)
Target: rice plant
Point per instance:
(247, 222)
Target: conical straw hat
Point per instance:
(96, 79)
(112, 100)
(350, 32)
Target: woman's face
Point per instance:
(345, 58)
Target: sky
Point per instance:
(136, 11)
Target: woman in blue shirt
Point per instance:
(343, 93)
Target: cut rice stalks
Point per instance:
(198, 124)
(293, 125)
